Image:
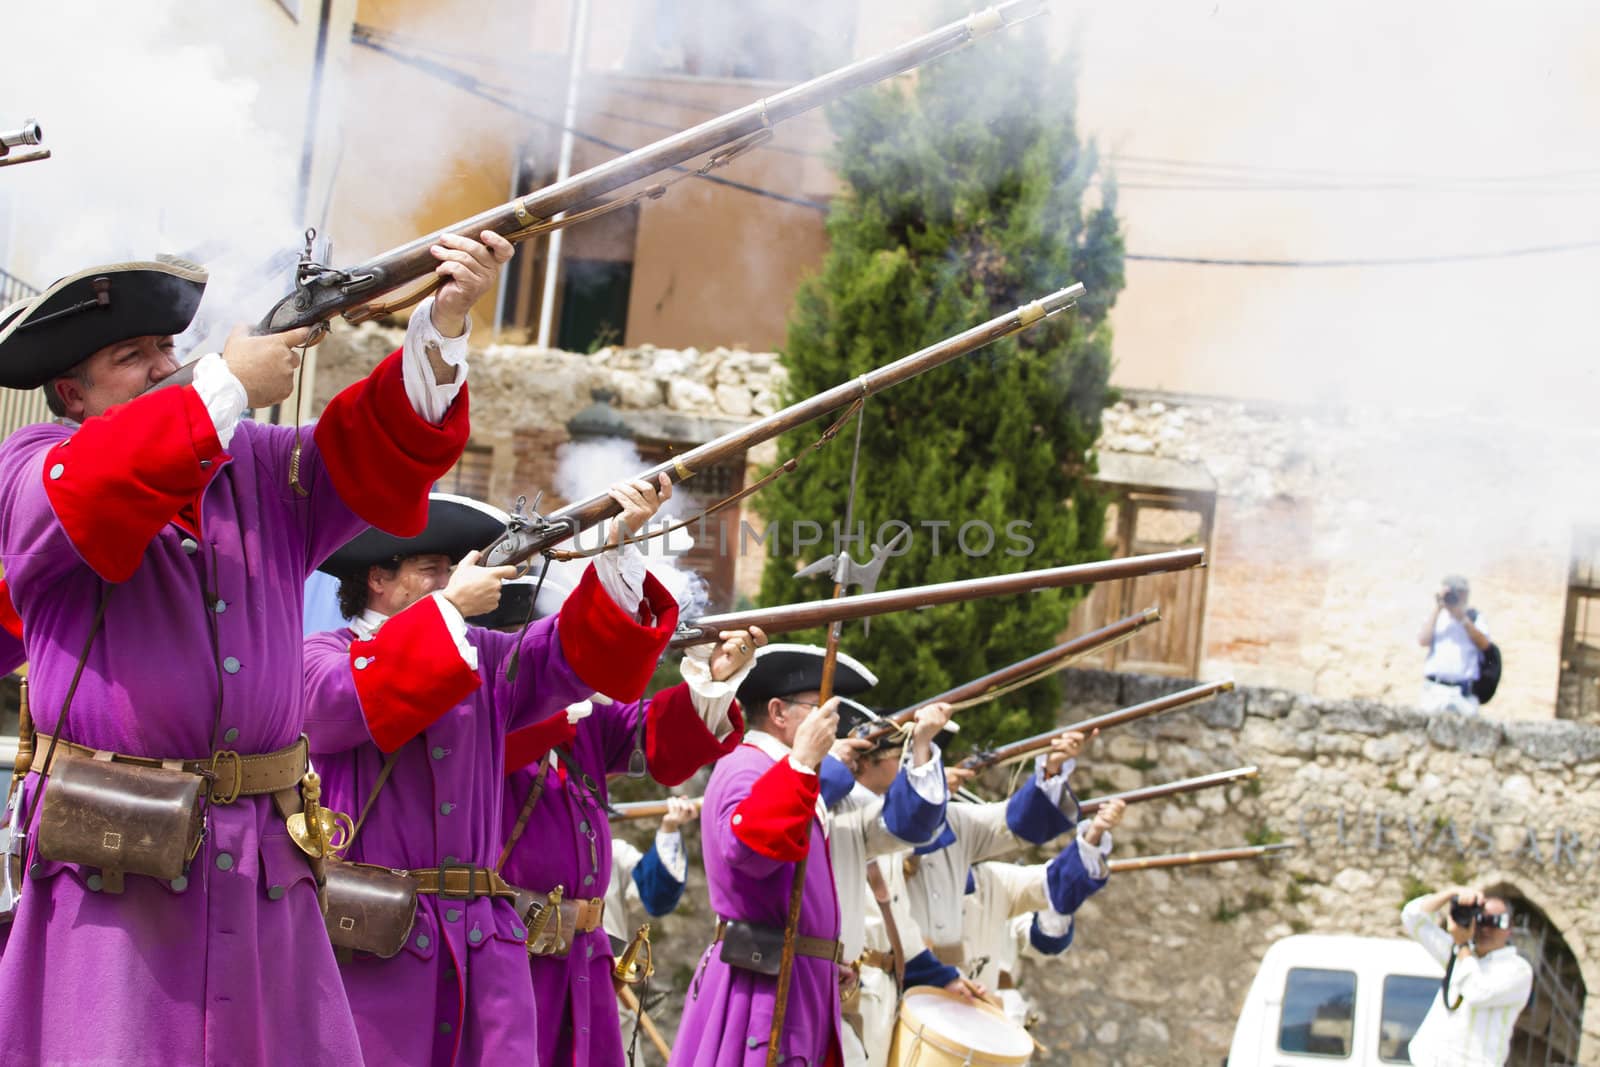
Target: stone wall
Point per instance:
(1163, 959)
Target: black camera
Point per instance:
(1467, 916)
(1451, 598)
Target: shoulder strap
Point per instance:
(880, 893)
(377, 787)
(522, 819)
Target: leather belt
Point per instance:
(231, 775)
(883, 961)
(461, 882)
(1005, 981)
(584, 915)
(817, 948)
(954, 955)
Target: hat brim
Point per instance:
(46, 336)
(785, 669)
(456, 526)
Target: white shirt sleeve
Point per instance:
(669, 847)
(928, 780)
(712, 699)
(1052, 923)
(428, 397)
(222, 393)
(458, 630)
(1419, 925)
(621, 572)
(1054, 788)
(1094, 856)
(801, 767)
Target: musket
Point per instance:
(322, 292)
(28, 134)
(787, 618)
(1193, 859)
(1020, 750)
(642, 809)
(1022, 672)
(1171, 789)
(527, 536)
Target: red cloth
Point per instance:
(609, 648)
(677, 741)
(409, 674)
(383, 457)
(10, 621)
(124, 475)
(531, 744)
(775, 819)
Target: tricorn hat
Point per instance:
(456, 526)
(782, 670)
(854, 716)
(43, 337)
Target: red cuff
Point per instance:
(10, 621)
(606, 646)
(677, 741)
(117, 482)
(775, 819)
(383, 457)
(409, 675)
(531, 744)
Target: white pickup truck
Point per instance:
(1335, 1000)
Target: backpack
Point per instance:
(1488, 669)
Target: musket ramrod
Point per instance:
(1193, 859)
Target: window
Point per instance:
(594, 303)
(1578, 692)
(1318, 1013)
(1406, 999)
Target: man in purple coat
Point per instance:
(762, 814)
(410, 686)
(192, 531)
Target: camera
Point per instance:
(1467, 916)
(1451, 598)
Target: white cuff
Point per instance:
(222, 394)
(428, 397)
(1094, 856)
(1054, 788)
(801, 767)
(458, 630)
(669, 849)
(712, 698)
(621, 572)
(928, 780)
(1052, 923)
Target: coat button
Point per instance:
(94, 880)
(361, 663)
(446, 808)
(475, 936)
(221, 606)
(449, 861)
(180, 883)
(438, 752)
(224, 862)
(232, 735)
(588, 879)
(583, 827)
(275, 892)
(517, 931)
(737, 819)
(423, 941)
(57, 471)
(453, 915)
(444, 1028)
(231, 665)
(189, 545)
(752, 1042)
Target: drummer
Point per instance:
(1010, 907)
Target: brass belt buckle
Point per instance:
(232, 756)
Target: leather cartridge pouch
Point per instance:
(751, 947)
(120, 817)
(370, 908)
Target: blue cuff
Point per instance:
(837, 781)
(925, 969)
(659, 892)
(909, 815)
(946, 838)
(1033, 818)
(1050, 946)
(1068, 883)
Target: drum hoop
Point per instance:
(969, 1055)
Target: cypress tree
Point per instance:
(962, 196)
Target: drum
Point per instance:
(939, 1029)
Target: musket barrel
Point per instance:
(28, 133)
(1171, 789)
(586, 513)
(1192, 859)
(413, 260)
(790, 617)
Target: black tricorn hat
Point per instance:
(43, 337)
(456, 526)
(782, 670)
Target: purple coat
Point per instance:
(727, 1017)
(230, 964)
(441, 803)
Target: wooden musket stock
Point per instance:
(1039, 664)
(1193, 859)
(790, 617)
(1018, 750)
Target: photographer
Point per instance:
(1486, 982)
(1456, 639)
